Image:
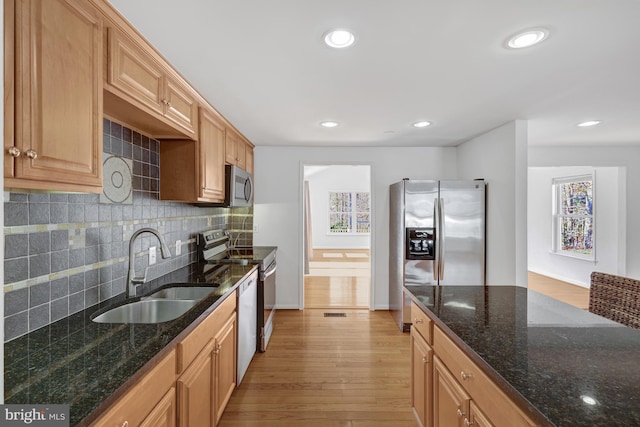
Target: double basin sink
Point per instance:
(164, 305)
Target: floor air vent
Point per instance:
(335, 315)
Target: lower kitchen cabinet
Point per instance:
(195, 391)
(224, 381)
(421, 379)
(164, 413)
(449, 389)
(207, 362)
(450, 401)
(150, 402)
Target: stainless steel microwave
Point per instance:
(238, 186)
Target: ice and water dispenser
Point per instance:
(421, 243)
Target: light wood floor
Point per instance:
(563, 291)
(327, 371)
(338, 278)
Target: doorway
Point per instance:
(337, 236)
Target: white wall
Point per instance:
(322, 180)
(278, 209)
(610, 207)
(601, 156)
(500, 157)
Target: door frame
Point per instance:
(301, 236)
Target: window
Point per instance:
(573, 219)
(349, 212)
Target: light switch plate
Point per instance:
(152, 255)
(178, 247)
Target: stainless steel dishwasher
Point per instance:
(247, 322)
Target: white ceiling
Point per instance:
(263, 66)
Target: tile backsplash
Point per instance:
(65, 252)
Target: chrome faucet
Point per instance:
(132, 280)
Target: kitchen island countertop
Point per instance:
(566, 366)
(89, 365)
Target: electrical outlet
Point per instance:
(255, 228)
(209, 220)
(178, 247)
(152, 255)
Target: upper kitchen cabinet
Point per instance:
(53, 95)
(144, 92)
(238, 151)
(193, 171)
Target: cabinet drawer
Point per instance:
(141, 399)
(421, 322)
(189, 348)
(493, 401)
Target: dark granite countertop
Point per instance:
(81, 363)
(548, 356)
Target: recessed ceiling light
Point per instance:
(339, 39)
(527, 38)
(329, 124)
(588, 123)
(422, 124)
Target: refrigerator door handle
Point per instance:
(440, 249)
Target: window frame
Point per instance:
(352, 214)
(558, 216)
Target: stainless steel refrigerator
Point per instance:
(436, 236)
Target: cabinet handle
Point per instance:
(31, 154)
(416, 320)
(468, 422)
(217, 350)
(125, 424)
(466, 376)
(461, 413)
(14, 151)
(425, 360)
(166, 102)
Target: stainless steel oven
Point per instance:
(213, 248)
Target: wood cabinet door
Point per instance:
(180, 107)
(477, 418)
(225, 366)
(136, 74)
(450, 401)
(164, 413)
(212, 143)
(231, 146)
(58, 94)
(195, 391)
(249, 159)
(421, 378)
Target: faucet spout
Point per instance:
(132, 279)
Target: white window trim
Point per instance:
(353, 215)
(555, 222)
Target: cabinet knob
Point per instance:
(425, 360)
(416, 320)
(14, 151)
(217, 350)
(125, 424)
(461, 413)
(31, 153)
(468, 422)
(466, 376)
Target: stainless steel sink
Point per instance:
(146, 311)
(181, 293)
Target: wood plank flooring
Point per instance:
(563, 291)
(338, 278)
(327, 371)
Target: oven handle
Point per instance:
(270, 270)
